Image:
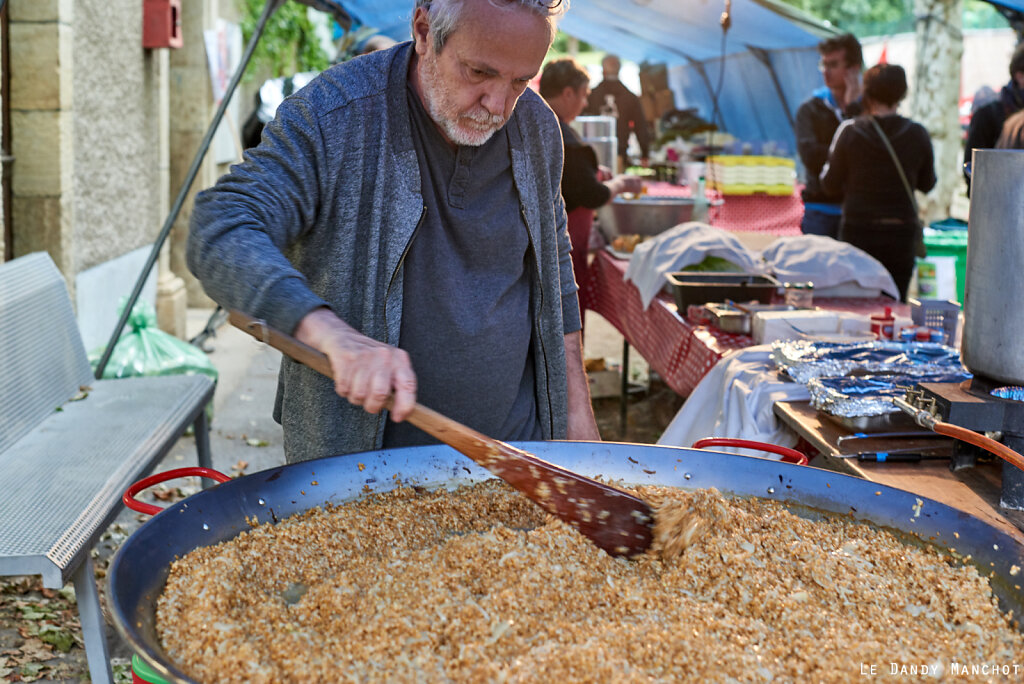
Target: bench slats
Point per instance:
(43, 360)
(95, 448)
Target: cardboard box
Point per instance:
(604, 383)
(653, 78)
(664, 101)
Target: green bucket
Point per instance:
(951, 243)
(143, 673)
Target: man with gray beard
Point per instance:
(402, 214)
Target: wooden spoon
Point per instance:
(616, 521)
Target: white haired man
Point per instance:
(403, 216)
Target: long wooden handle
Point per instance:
(461, 437)
(616, 521)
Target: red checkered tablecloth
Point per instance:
(677, 349)
(751, 213)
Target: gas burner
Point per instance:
(971, 404)
(1011, 393)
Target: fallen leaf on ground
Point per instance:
(59, 638)
(253, 442)
(165, 494)
(241, 465)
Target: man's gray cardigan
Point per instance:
(322, 213)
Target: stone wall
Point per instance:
(41, 36)
(116, 131)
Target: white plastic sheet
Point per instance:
(735, 399)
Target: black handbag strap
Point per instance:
(896, 161)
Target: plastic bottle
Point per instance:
(633, 151)
(882, 324)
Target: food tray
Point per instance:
(897, 420)
(739, 317)
(702, 287)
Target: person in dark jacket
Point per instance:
(816, 122)
(611, 97)
(878, 214)
(564, 84)
(987, 123)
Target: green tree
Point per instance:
(883, 17)
(289, 43)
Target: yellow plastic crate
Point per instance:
(750, 160)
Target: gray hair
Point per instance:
(444, 14)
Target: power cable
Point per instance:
(725, 21)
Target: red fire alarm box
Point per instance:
(161, 24)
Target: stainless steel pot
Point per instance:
(993, 337)
(139, 571)
(599, 133)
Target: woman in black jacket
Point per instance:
(564, 84)
(879, 215)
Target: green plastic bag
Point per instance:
(144, 349)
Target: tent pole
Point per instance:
(763, 57)
(711, 92)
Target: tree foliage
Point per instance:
(885, 17)
(289, 43)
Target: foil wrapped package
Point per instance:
(805, 360)
(868, 395)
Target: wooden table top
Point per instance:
(972, 490)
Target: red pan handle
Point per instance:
(788, 455)
(149, 509)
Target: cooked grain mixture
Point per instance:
(479, 585)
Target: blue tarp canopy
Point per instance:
(770, 56)
(1012, 5)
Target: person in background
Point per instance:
(879, 216)
(816, 122)
(376, 42)
(1012, 137)
(564, 84)
(987, 123)
(610, 97)
(403, 215)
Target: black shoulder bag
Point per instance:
(920, 250)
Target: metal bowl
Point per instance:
(643, 215)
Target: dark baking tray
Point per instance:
(703, 287)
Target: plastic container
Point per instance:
(951, 243)
(936, 313)
(882, 324)
(142, 673)
(800, 295)
(949, 223)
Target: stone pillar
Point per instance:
(41, 129)
(192, 104)
(171, 296)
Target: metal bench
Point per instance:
(65, 458)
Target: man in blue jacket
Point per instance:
(816, 122)
(402, 215)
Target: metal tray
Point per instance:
(702, 287)
(887, 421)
(738, 318)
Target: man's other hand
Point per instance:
(366, 372)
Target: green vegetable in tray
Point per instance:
(714, 264)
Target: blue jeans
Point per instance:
(819, 223)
